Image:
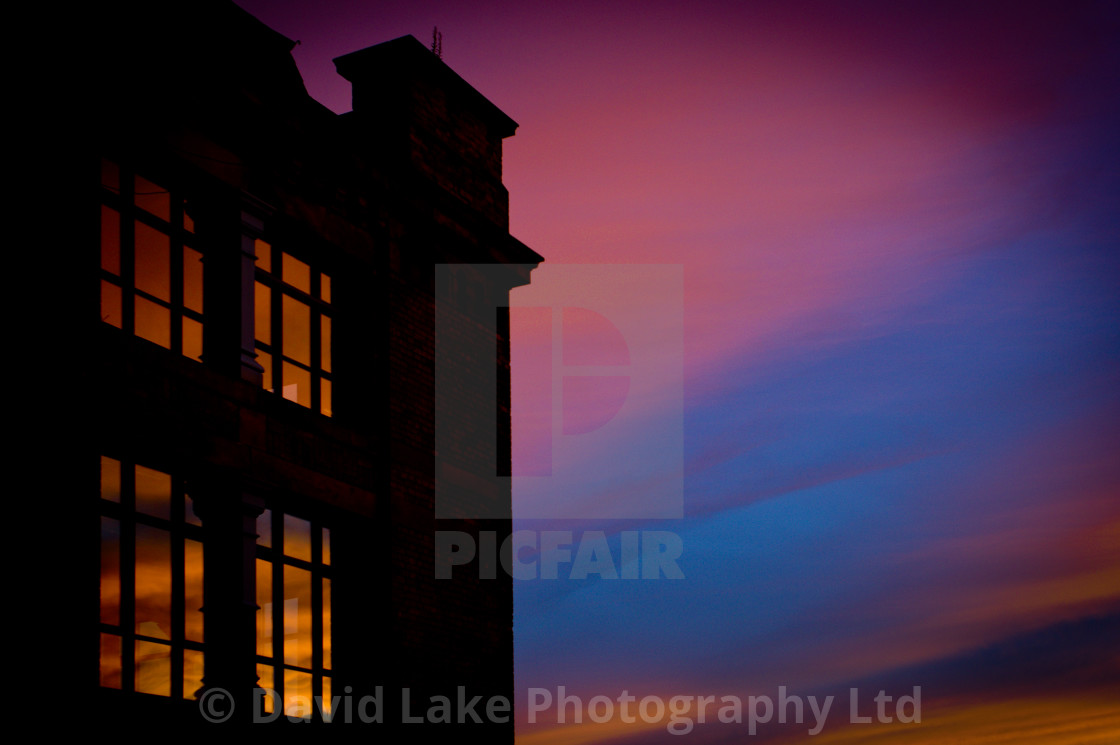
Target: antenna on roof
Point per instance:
(437, 42)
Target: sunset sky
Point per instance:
(899, 235)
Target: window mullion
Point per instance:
(128, 576)
(178, 590)
(128, 251)
(175, 247)
(278, 604)
(277, 333)
(316, 612)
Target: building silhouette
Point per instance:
(256, 437)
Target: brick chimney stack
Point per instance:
(420, 111)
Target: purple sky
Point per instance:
(898, 233)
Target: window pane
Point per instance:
(153, 198)
(326, 623)
(110, 479)
(297, 384)
(153, 668)
(188, 507)
(325, 287)
(297, 616)
(111, 572)
(192, 339)
(296, 330)
(110, 240)
(193, 662)
(264, 608)
(297, 694)
(153, 582)
(110, 668)
(110, 303)
(327, 712)
(192, 590)
(192, 279)
(327, 546)
(262, 313)
(325, 397)
(153, 322)
(153, 262)
(297, 538)
(296, 273)
(264, 255)
(153, 492)
(325, 343)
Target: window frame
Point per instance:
(270, 273)
(180, 526)
(118, 192)
(274, 555)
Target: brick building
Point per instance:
(260, 409)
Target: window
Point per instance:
(151, 264)
(151, 583)
(293, 611)
(293, 327)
